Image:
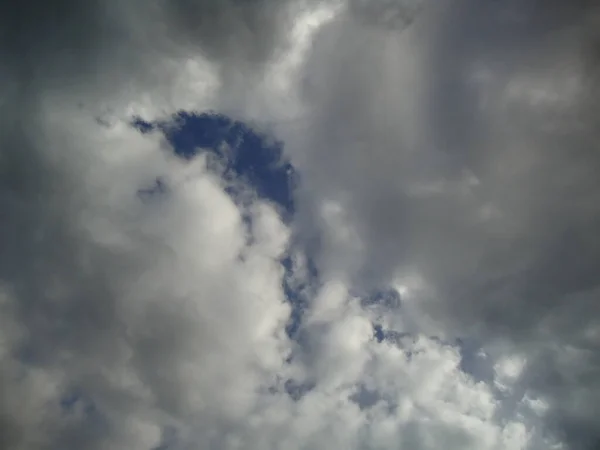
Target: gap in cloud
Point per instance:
(76, 402)
(80, 410)
(247, 155)
(300, 285)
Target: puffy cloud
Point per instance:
(128, 316)
(143, 308)
(446, 151)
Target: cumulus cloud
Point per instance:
(445, 152)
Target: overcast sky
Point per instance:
(391, 242)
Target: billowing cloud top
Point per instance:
(431, 284)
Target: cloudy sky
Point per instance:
(299, 225)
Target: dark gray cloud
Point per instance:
(466, 149)
(535, 282)
(68, 44)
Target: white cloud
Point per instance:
(123, 316)
(507, 371)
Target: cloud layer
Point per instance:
(446, 154)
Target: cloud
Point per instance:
(144, 307)
(461, 150)
(130, 316)
(444, 152)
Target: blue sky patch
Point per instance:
(247, 154)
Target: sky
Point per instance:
(299, 225)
